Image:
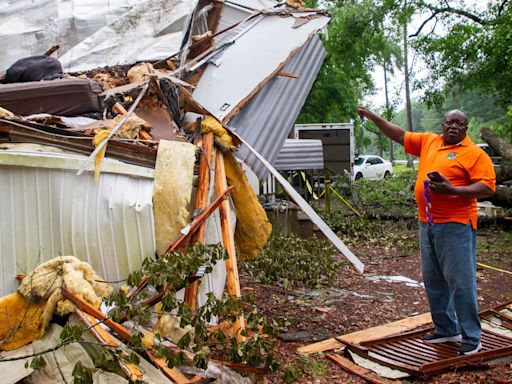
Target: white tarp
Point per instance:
(92, 33)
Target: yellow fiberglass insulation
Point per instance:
(222, 137)
(21, 321)
(252, 226)
(40, 296)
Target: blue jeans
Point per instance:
(448, 263)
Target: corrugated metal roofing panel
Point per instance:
(266, 120)
(230, 15)
(242, 69)
(300, 154)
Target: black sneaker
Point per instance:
(435, 338)
(469, 349)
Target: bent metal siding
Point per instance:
(46, 210)
(267, 119)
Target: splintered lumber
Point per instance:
(172, 373)
(194, 226)
(390, 329)
(129, 369)
(122, 332)
(186, 234)
(321, 346)
(394, 328)
(364, 373)
(90, 315)
(203, 188)
(232, 279)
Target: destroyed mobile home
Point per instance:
(120, 173)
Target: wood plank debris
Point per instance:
(396, 327)
(94, 326)
(228, 239)
(321, 346)
(203, 188)
(94, 317)
(408, 352)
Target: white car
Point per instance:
(371, 167)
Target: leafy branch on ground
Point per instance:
(311, 365)
(289, 261)
(361, 232)
(390, 196)
(197, 343)
(174, 270)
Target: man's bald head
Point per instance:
(455, 125)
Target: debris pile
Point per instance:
(130, 159)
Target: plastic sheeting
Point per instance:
(92, 33)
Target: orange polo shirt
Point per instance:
(462, 164)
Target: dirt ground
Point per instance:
(355, 303)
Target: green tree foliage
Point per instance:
(473, 52)
(356, 41)
(482, 111)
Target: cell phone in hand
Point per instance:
(435, 176)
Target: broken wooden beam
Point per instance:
(194, 226)
(84, 310)
(186, 234)
(203, 189)
(122, 332)
(94, 326)
(172, 373)
(228, 239)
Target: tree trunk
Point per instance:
(502, 197)
(503, 148)
(410, 163)
(388, 110)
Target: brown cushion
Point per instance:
(63, 97)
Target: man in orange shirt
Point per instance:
(453, 173)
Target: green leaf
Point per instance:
(82, 374)
(37, 364)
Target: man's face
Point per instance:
(455, 125)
